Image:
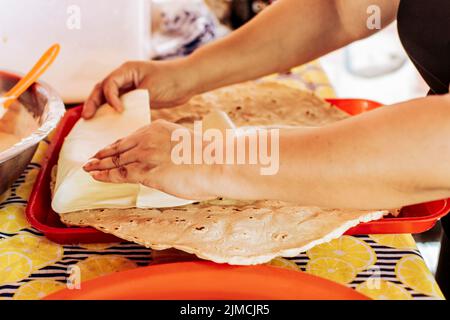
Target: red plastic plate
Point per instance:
(412, 219)
(209, 281)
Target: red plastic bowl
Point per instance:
(412, 219)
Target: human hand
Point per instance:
(170, 83)
(145, 157)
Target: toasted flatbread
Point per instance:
(233, 232)
(257, 104)
(228, 231)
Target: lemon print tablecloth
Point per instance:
(31, 267)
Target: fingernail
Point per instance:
(90, 163)
(93, 174)
(87, 114)
(97, 155)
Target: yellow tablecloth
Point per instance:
(380, 266)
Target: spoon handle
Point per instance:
(39, 68)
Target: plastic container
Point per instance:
(412, 219)
(96, 37)
(209, 281)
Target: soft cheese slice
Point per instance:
(77, 190)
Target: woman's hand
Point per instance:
(170, 84)
(145, 157)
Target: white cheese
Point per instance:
(75, 189)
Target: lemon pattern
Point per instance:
(334, 269)
(40, 152)
(383, 290)
(41, 251)
(12, 219)
(98, 246)
(97, 266)
(395, 241)
(14, 267)
(24, 190)
(32, 267)
(284, 263)
(412, 271)
(352, 250)
(5, 196)
(37, 289)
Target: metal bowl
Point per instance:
(46, 108)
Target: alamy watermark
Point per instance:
(257, 146)
(73, 281)
(73, 21)
(374, 19)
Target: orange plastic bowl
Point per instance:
(209, 281)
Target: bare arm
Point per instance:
(287, 34)
(388, 158)
(391, 157)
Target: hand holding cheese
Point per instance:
(166, 80)
(132, 164)
(144, 157)
(76, 190)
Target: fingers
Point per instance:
(95, 100)
(120, 146)
(125, 77)
(115, 161)
(111, 88)
(131, 173)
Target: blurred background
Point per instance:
(376, 68)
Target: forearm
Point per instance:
(387, 158)
(287, 34)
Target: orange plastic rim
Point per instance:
(209, 281)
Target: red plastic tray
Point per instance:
(412, 219)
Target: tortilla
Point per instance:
(233, 232)
(229, 231)
(257, 104)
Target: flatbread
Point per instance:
(229, 231)
(257, 104)
(233, 232)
